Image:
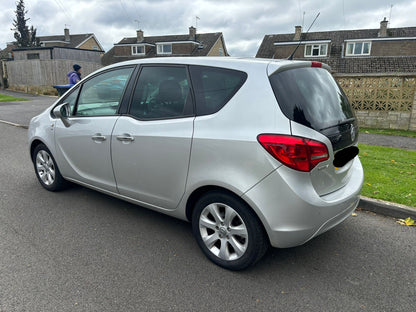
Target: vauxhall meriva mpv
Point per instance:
(252, 152)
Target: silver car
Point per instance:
(253, 152)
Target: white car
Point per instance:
(253, 152)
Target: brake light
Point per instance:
(316, 64)
(295, 152)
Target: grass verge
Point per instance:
(405, 133)
(390, 174)
(8, 98)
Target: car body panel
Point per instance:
(83, 150)
(170, 160)
(153, 167)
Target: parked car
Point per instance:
(252, 152)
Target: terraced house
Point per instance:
(191, 44)
(375, 67)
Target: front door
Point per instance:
(83, 148)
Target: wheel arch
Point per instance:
(33, 145)
(196, 194)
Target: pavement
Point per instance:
(37, 103)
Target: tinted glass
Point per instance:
(162, 92)
(102, 94)
(71, 99)
(311, 96)
(214, 87)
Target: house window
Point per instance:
(358, 48)
(164, 49)
(316, 50)
(220, 52)
(33, 56)
(137, 50)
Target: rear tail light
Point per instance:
(295, 152)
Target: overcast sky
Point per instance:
(243, 23)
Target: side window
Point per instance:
(101, 95)
(162, 92)
(214, 87)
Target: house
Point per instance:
(191, 44)
(80, 48)
(79, 41)
(382, 50)
(37, 69)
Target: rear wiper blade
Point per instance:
(341, 122)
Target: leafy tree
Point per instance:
(25, 36)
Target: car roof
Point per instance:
(238, 63)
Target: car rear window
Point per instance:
(214, 87)
(311, 97)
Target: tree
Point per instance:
(25, 36)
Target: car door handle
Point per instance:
(125, 138)
(98, 137)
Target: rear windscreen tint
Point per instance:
(214, 87)
(311, 97)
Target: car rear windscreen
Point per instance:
(311, 96)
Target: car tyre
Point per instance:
(228, 231)
(47, 170)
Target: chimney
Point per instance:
(192, 33)
(383, 28)
(67, 38)
(298, 33)
(139, 35)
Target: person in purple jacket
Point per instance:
(75, 75)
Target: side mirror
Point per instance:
(62, 112)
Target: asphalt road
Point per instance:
(80, 250)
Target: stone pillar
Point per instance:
(412, 121)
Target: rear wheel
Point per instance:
(46, 169)
(227, 231)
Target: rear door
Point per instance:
(151, 144)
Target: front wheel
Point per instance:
(228, 231)
(46, 169)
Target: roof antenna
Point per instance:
(300, 40)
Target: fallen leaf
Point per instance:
(376, 192)
(408, 221)
(354, 214)
(365, 154)
(368, 184)
(412, 165)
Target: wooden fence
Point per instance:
(38, 76)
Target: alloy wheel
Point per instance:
(223, 231)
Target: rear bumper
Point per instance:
(293, 213)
